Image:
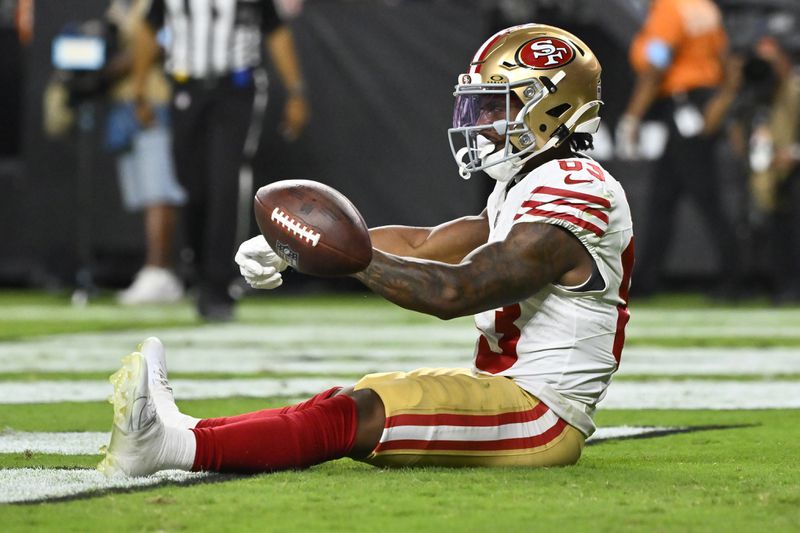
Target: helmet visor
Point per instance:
(467, 110)
(470, 108)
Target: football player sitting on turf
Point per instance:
(545, 269)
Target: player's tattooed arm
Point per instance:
(493, 275)
(449, 242)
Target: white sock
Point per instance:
(178, 449)
(170, 413)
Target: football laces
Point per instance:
(295, 227)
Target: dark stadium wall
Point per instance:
(380, 78)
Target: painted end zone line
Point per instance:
(89, 442)
(29, 485)
(656, 394)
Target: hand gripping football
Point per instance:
(313, 227)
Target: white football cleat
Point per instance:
(160, 390)
(140, 443)
(137, 434)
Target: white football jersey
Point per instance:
(563, 343)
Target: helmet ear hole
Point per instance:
(558, 110)
(543, 127)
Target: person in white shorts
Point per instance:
(145, 170)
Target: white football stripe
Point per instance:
(472, 433)
(185, 389)
(698, 394)
(616, 432)
(689, 394)
(643, 360)
(62, 443)
(32, 484)
(89, 442)
(244, 348)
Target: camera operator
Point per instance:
(94, 62)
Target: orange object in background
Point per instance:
(24, 21)
(696, 39)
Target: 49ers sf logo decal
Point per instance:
(545, 52)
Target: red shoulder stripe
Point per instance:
(563, 216)
(582, 207)
(568, 193)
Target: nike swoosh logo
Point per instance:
(569, 181)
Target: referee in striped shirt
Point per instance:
(213, 56)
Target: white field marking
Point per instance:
(301, 230)
(244, 348)
(347, 314)
(185, 389)
(89, 442)
(644, 322)
(644, 360)
(61, 443)
(689, 394)
(703, 323)
(354, 349)
(34, 484)
(616, 432)
(704, 331)
(356, 360)
(692, 394)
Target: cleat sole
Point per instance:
(124, 381)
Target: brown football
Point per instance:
(313, 227)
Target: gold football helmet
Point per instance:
(556, 79)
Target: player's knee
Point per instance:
(371, 419)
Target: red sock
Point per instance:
(299, 439)
(264, 413)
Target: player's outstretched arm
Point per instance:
(493, 275)
(449, 242)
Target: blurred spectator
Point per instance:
(774, 158)
(144, 162)
(682, 72)
(214, 60)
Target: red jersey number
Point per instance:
(507, 337)
(571, 165)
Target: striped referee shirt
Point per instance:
(213, 37)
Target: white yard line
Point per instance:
(89, 442)
(642, 360)
(689, 394)
(32, 484)
(185, 389)
(58, 443)
(244, 348)
(701, 394)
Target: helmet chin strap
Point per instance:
(484, 148)
(503, 171)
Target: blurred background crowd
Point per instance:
(99, 160)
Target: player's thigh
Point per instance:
(450, 417)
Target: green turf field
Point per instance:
(688, 364)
